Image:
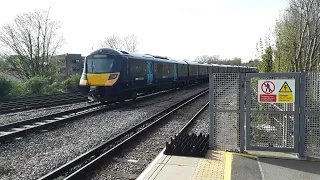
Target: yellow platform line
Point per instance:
(216, 166)
(228, 166)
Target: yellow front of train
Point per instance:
(100, 74)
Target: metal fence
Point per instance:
(225, 99)
(311, 115)
(239, 122)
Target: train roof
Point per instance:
(107, 51)
(157, 58)
(192, 62)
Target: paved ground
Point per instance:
(249, 168)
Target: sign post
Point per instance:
(276, 91)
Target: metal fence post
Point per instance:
(302, 117)
(212, 115)
(248, 112)
(242, 112)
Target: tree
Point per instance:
(298, 37)
(252, 63)
(113, 42)
(267, 60)
(5, 87)
(131, 43)
(30, 43)
(305, 14)
(128, 43)
(208, 59)
(216, 60)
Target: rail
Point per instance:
(43, 101)
(85, 162)
(17, 129)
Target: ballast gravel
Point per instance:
(19, 116)
(37, 154)
(129, 163)
(201, 123)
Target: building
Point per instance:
(69, 64)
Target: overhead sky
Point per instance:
(177, 28)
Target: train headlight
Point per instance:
(113, 76)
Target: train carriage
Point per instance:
(203, 72)
(111, 75)
(181, 68)
(193, 69)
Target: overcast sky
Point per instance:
(176, 28)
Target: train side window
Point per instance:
(140, 69)
(160, 69)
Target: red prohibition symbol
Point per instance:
(268, 87)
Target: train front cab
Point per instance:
(101, 75)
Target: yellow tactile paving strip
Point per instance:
(214, 167)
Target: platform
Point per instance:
(219, 165)
(215, 166)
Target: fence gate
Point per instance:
(254, 111)
(272, 111)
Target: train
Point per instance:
(114, 75)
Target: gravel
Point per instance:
(201, 123)
(145, 149)
(37, 154)
(23, 115)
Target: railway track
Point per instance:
(20, 128)
(84, 163)
(16, 129)
(43, 101)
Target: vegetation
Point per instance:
(215, 59)
(36, 86)
(128, 43)
(28, 48)
(29, 45)
(296, 40)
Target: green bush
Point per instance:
(54, 88)
(5, 87)
(37, 85)
(18, 89)
(72, 83)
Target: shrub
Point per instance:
(54, 88)
(72, 83)
(37, 85)
(18, 89)
(5, 87)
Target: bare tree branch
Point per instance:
(113, 42)
(33, 38)
(129, 43)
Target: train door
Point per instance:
(150, 72)
(175, 72)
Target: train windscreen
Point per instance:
(98, 64)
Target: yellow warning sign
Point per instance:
(285, 98)
(285, 88)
